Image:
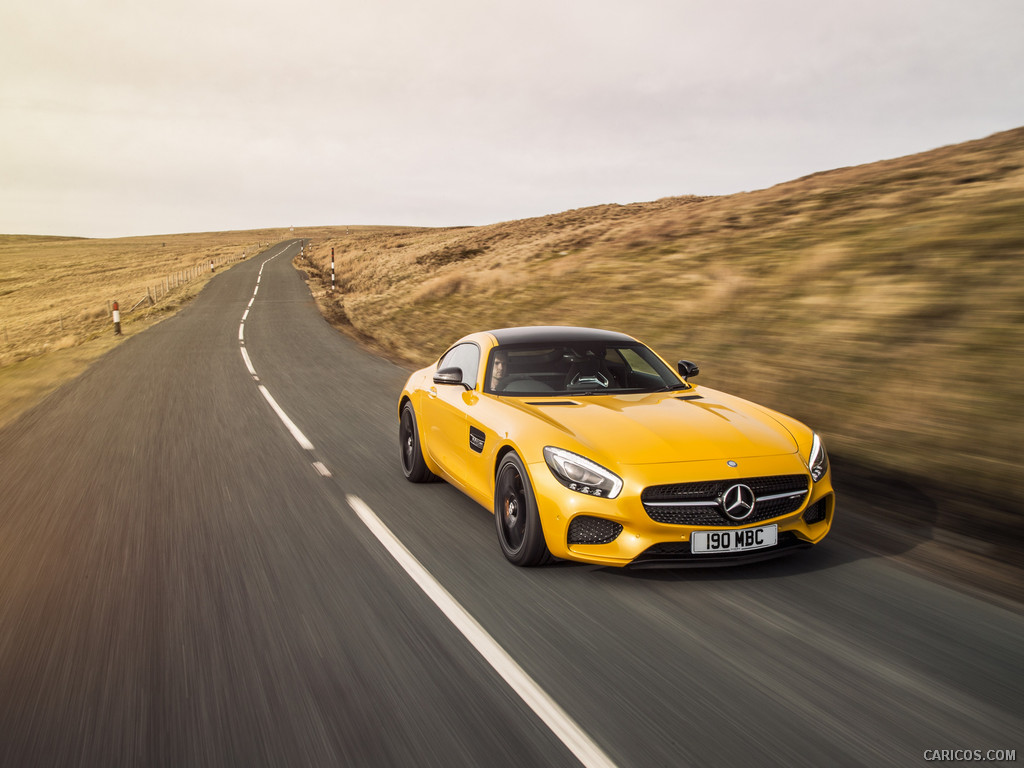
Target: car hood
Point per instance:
(665, 427)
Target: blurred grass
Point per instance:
(882, 304)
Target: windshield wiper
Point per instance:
(615, 391)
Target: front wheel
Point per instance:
(515, 515)
(413, 465)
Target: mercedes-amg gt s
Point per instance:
(587, 446)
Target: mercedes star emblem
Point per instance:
(738, 502)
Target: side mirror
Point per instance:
(448, 376)
(688, 369)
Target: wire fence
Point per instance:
(31, 337)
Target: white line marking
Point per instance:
(255, 291)
(296, 432)
(241, 331)
(319, 467)
(248, 362)
(251, 301)
(556, 718)
(245, 315)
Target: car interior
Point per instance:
(579, 369)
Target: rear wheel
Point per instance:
(413, 465)
(515, 515)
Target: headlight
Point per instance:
(818, 463)
(582, 475)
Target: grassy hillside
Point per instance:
(882, 304)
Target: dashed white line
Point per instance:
(556, 718)
(248, 362)
(300, 438)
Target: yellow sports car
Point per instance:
(587, 446)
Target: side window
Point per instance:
(466, 357)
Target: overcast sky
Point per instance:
(120, 117)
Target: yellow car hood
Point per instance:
(658, 428)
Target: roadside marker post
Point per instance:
(332, 270)
(117, 320)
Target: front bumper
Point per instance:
(644, 542)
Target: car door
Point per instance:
(445, 411)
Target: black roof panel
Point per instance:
(550, 334)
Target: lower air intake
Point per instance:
(816, 512)
(593, 530)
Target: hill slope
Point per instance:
(882, 304)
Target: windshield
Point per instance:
(586, 368)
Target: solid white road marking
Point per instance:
(556, 718)
(241, 331)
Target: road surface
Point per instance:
(188, 580)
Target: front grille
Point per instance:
(658, 500)
(817, 513)
(593, 530)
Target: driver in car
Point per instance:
(499, 370)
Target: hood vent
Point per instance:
(554, 402)
(690, 397)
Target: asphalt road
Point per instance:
(181, 584)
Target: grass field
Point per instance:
(882, 304)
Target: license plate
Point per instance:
(739, 540)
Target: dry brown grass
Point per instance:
(883, 304)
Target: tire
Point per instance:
(413, 466)
(515, 515)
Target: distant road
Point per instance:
(185, 580)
